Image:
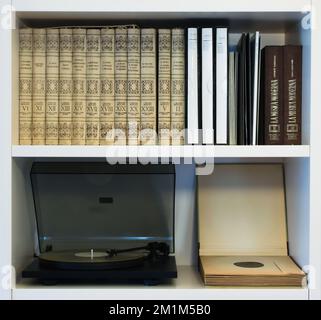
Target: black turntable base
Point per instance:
(149, 272)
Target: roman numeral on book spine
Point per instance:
(133, 89)
(107, 93)
(107, 83)
(52, 86)
(65, 86)
(164, 86)
(178, 87)
(79, 86)
(121, 86)
(93, 86)
(148, 86)
(39, 86)
(25, 86)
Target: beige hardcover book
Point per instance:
(164, 86)
(93, 86)
(133, 88)
(178, 87)
(121, 86)
(25, 86)
(242, 227)
(65, 86)
(39, 86)
(148, 87)
(79, 86)
(52, 86)
(107, 93)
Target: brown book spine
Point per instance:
(292, 94)
(272, 91)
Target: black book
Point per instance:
(248, 91)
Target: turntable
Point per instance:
(97, 222)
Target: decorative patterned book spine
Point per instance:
(178, 87)
(292, 94)
(79, 86)
(65, 87)
(107, 93)
(39, 86)
(93, 86)
(52, 86)
(120, 86)
(25, 86)
(164, 86)
(133, 89)
(148, 86)
(272, 95)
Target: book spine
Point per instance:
(133, 88)
(273, 104)
(232, 111)
(65, 86)
(93, 86)
(207, 86)
(121, 63)
(192, 87)
(221, 86)
(52, 86)
(79, 86)
(148, 86)
(235, 91)
(39, 86)
(164, 86)
(178, 87)
(255, 94)
(25, 86)
(107, 92)
(292, 94)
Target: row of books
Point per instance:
(245, 96)
(112, 85)
(125, 85)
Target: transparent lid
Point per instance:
(101, 206)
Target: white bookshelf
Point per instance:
(188, 286)
(280, 23)
(215, 152)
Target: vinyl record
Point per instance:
(79, 260)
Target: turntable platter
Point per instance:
(89, 260)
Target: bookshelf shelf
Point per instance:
(187, 286)
(280, 21)
(161, 151)
(166, 6)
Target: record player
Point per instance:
(101, 222)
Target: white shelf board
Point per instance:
(161, 6)
(188, 286)
(160, 151)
